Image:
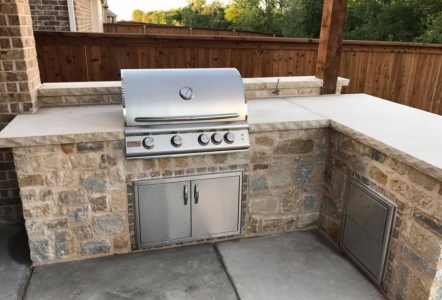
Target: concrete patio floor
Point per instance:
(15, 264)
(301, 265)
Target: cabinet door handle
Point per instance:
(197, 194)
(185, 195)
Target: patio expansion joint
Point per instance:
(220, 257)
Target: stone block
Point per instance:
(67, 178)
(77, 214)
(47, 195)
(397, 166)
(28, 196)
(72, 197)
(83, 232)
(307, 220)
(431, 222)
(421, 241)
(181, 162)
(51, 179)
(422, 179)
(49, 162)
(358, 165)
(418, 261)
(402, 282)
(378, 175)
(64, 244)
(41, 250)
(121, 242)
(377, 156)
(258, 167)
(309, 203)
(58, 223)
(68, 148)
(118, 200)
(84, 161)
(419, 290)
(98, 204)
(37, 211)
(263, 205)
(33, 226)
(304, 174)
(108, 160)
(280, 173)
(95, 247)
(95, 182)
(294, 146)
(413, 194)
(109, 224)
(290, 201)
(321, 155)
(116, 176)
(116, 145)
(86, 147)
(30, 180)
(279, 224)
(219, 158)
(259, 157)
(258, 183)
(252, 224)
(264, 140)
(330, 207)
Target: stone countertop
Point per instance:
(75, 124)
(409, 135)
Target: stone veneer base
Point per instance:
(78, 200)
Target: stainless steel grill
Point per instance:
(182, 112)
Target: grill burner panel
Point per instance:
(184, 112)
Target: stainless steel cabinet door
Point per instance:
(215, 206)
(164, 212)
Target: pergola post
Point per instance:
(330, 43)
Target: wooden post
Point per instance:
(330, 43)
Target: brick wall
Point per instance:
(50, 15)
(83, 15)
(19, 80)
(413, 268)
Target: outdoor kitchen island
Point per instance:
(76, 184)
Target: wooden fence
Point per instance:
(405, 73)
(140, 28)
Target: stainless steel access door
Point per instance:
(215, 207)
(163, 212)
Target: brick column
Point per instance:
(19, 75)
(19, 80)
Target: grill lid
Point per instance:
(173, 96)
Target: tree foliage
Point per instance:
(381, 20)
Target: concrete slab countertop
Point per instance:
(75, 124)
(410, 135)
(407, 134)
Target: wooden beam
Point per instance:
(330, 43)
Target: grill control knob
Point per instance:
(229, 137)
(149, 143)
(177, 141)
(204, 139)
(217, 138)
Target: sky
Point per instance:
(124, 8)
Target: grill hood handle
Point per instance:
(187, 118)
